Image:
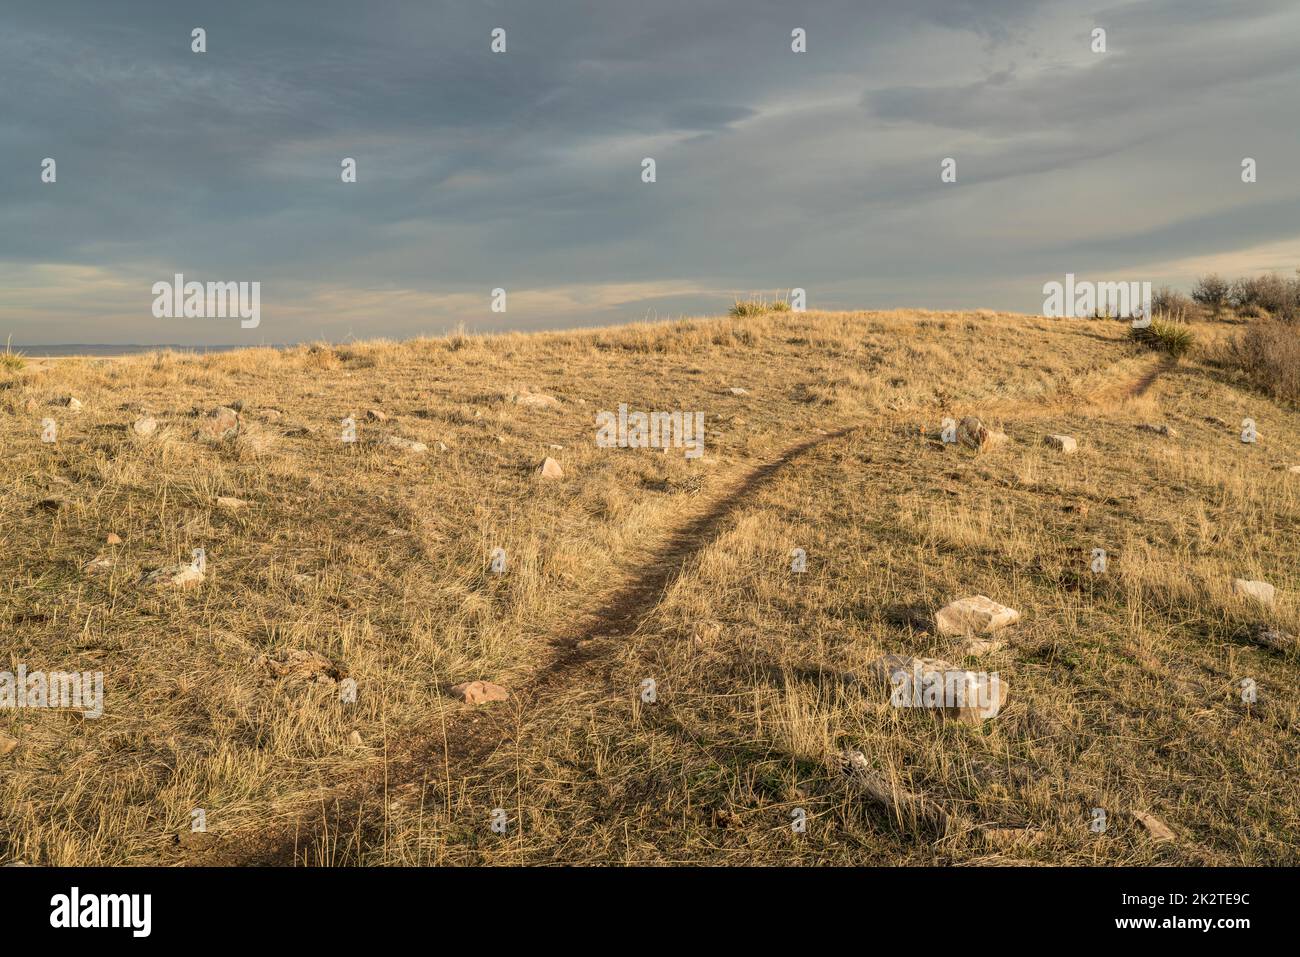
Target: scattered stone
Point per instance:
(442, 446)
(557, 448)
(355, 738)
(974, 434)
(145, 425)
(974, 616)
(179, 576)
(1262, 592)
(230, 502)
(970, 697)
(70, 402)
(102, 563)
(219, 423)
(535, 400)
(1272, 638)
(737, 390)
(550, 469)
(479, 692)
(1295, 469)
(1157, 828)
(978, 647)
(406, 445)
(375, 415)
(1164, 430)
(113, 539)
(7, 744)
(295, 664)
(902, 804)
(1062, 443)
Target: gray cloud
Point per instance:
(523, 170)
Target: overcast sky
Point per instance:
(522, 170)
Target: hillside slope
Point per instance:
(1125, 688)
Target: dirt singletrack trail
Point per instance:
(465, 739)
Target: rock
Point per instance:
(375, 415)
(550, 469)
(1262, 592)
(479, 692)
(219, 423)
(230, 502)
(113, 539)
(737, 390)
(1157, 828)
(977, 647)
(535, 400)
(70, 402)
(1271, 638)
(974, 434)
(1164, 430)
(1295, 469)
(354, 738)
(406, 445)
(1062, 443)
(7, 744)
(970, 697)
(102, 563)
(974, 616)
(179, 576)
(296, 664)
(145, 426)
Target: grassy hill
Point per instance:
(822, 434)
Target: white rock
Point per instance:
(179, 576)
(536, 400)
(550, 469)
(737, 390)
(146, 425)
(974, 616)
(408, 445)
(970, 697)
(230, 502)
(1062, 443)
(977, 647)
(1262, 592)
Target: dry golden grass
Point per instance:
(639, 565)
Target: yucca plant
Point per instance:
(1174, 338)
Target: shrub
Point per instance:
(1174, 338)
(1173, 305)
(1276, 296)
(755, 307)
(1212, 292)
(11, 361)
(1268, 353)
